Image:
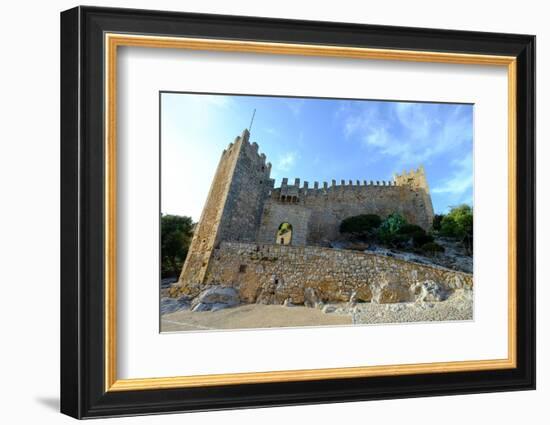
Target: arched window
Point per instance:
(284, 234)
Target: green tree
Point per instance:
(176, 234)
(459, 224)
(284, 228)
(436, 225)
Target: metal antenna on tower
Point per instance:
(251, 121)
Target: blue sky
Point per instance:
(315, 140)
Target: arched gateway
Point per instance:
(284, 234)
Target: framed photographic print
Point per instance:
(261, 212)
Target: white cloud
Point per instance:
(414, 118)
(286, 162)
(411, 133)
(460, 181)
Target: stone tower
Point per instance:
(422, 201)
(233, 208)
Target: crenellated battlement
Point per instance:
(294, 192)
(414, 178)
(343, 183)
(242, 144)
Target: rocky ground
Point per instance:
(459, 306)
(454, 257)
(183, 315)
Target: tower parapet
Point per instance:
(295, 192)
(414, 178)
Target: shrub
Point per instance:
(416, 233)
(432, 248)
(361, 225)
(410, 229)
(422, 238)
(399, 240)
(393, 223)
(388, 232)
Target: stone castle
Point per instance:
(271, 244)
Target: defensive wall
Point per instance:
(316, 213)
(273, 274)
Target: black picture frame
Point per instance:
(83, 392)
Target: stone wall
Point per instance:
(322, 210)
(274, 273)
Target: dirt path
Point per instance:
(250, 316)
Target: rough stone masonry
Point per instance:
(236, 242)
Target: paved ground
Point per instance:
(250, 316)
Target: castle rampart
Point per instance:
(317, 212)
(272, 274)
(243, 206)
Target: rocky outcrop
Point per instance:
(430, 291)
(215, 298)
(170, 305)
(385, 292)
(310, 297)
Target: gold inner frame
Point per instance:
(113, 41)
